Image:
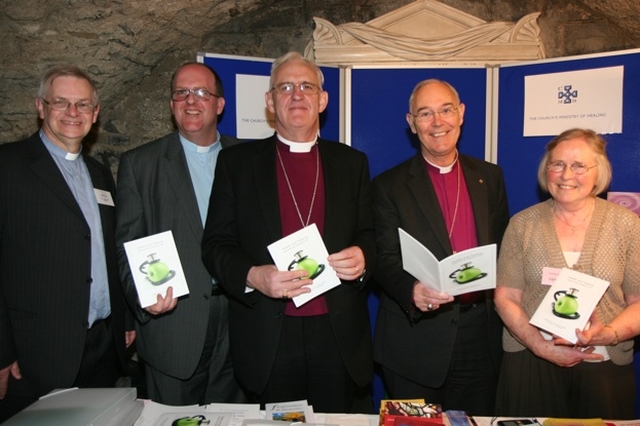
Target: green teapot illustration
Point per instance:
(467, 273)
(191, 421)
(157, 272)
(310, 265)
(566, 304)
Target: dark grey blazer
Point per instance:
(155, 194)
(413, 344)
(45, 266)
(247, 219)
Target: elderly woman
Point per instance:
(543, 375)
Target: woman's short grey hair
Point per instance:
(597, 144)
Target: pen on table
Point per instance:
(473, 421)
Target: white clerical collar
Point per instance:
(56, 150)
(298, 146)
(72, 156)
(444, 169)
(191, 146)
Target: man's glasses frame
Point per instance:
(201, 94)
(426, 115)
(61, 104)
(287, 88)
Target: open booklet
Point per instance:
(463, 272)
(569, 303)
(304, 249)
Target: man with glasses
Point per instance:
(264, 191)
(165, 185)
(431, 345)
(62, 312)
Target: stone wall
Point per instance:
(132, 47)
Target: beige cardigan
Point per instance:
(611, 251)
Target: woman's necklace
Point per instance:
(315, 187)
(576, 225)
(455, 210)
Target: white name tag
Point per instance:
(104, 197)
(549, 275)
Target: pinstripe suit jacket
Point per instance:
(45, 266)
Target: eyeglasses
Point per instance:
(59, 104)
(576, 168)
(200, 94)
(287, 88)
(427, 115)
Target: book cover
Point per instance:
(304, 249)
(569, 303)
(290, 411)
(155, 265)
(409, 412)
(463, 272)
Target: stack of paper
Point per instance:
(78, 407)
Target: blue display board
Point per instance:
(380, 101)
(519, 156)
(228, 67)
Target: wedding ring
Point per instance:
(429, 307)
(285, 294)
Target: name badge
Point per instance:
(104, 197)
(549, 275)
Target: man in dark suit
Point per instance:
(430, 344)
(62, 312)
(264, 191)
(165, 185)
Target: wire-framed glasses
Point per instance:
(288, 88)
(199, 93)
(576, 168)
(428, 115)
(60, 104)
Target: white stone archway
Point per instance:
(426, 31)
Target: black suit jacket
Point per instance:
(410, 343)
(244, 218)
(155, 194)
(45, 266)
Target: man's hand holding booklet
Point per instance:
(463, 272)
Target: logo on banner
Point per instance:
(566, 95)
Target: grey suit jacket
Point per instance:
(155, 194)
(410, 343)
(45, 266)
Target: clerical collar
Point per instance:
(443, 169)
(187, 144)
(57, 151)
(298, 146)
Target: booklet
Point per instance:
(569, 303)
(290, 411)
(155, 265)
(304, 249)
(463, 272)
